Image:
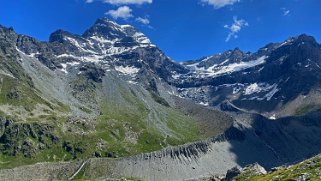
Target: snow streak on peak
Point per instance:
(225, 67)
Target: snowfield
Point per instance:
(132, 71)
(220, 69)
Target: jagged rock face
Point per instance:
(25, 139)
(231, 56)
(104, 28)
(246, 172)
(231, 173)
(7, 39)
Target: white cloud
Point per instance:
(120, 2)
(123, 2)
(123, 12)
(285, 11)
(219, 3)
(235, 27)
(144, 21)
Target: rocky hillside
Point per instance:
(309, 169)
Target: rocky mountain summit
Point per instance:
(110, 104)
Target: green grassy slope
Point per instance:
(306, 170)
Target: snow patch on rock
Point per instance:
(65, 66)
(132, 71)
(253, 88)
(257, 88)
(89, 58)
(221, 69)
(234, 67)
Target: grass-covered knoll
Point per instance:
(306, 170)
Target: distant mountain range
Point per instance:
(280, 79)
(112, 93)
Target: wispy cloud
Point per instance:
(123, 12)
(144, 21)
(285, 11)
(123, 2)
(219, 3)
(235, 28)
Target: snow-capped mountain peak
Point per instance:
(99, 43)
(107, 30)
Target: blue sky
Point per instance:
(183, 29)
